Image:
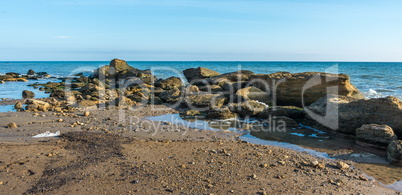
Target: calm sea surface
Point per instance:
(374, 79)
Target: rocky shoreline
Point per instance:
(91, 110)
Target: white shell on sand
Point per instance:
(48, 134)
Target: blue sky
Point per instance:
(276, 30)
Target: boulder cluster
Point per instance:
(291, 97)
(31, 75)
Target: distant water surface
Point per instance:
(374, 79)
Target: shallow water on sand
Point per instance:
(305, 139)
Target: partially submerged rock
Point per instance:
(375, 135)
(28, 94)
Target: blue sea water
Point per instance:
(374, 79)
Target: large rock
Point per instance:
(394, 151)
(169, 83)
(28, 94)
(304, 88)
(120, 65)
(192, 74)
(203, 102)
(352, 113)
(375, 135)
(31, 72)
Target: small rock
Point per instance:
(134, 181)
(60, 120)
(363, 178)
(18, 106)
(28, 94)
(253, 176)
(12, 125)
(342, 165)
(87, 113)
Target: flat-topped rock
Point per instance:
(353, 113)
(192, 74)
(304, 88)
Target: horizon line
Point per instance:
(194, 61)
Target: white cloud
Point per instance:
(62, 37)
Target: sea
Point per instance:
(373, 79)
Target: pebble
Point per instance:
(60, 120)
(87, 113)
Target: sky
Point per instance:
(201, 30)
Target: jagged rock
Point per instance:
(170, 96)
(221, 113)
(2, 82)
(119, 71)
(28, 94)
(120, 65)
(18, 106)
(394, 151)
(353, 113)
(288, 111)
(192, 89)
(83, 79)
(253, 93)
(375, 135)
(192, 74)
(37, 105)
(307, 87)
(203, 102)
(31, 72)
(169, 83)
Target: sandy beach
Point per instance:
(108, 158)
